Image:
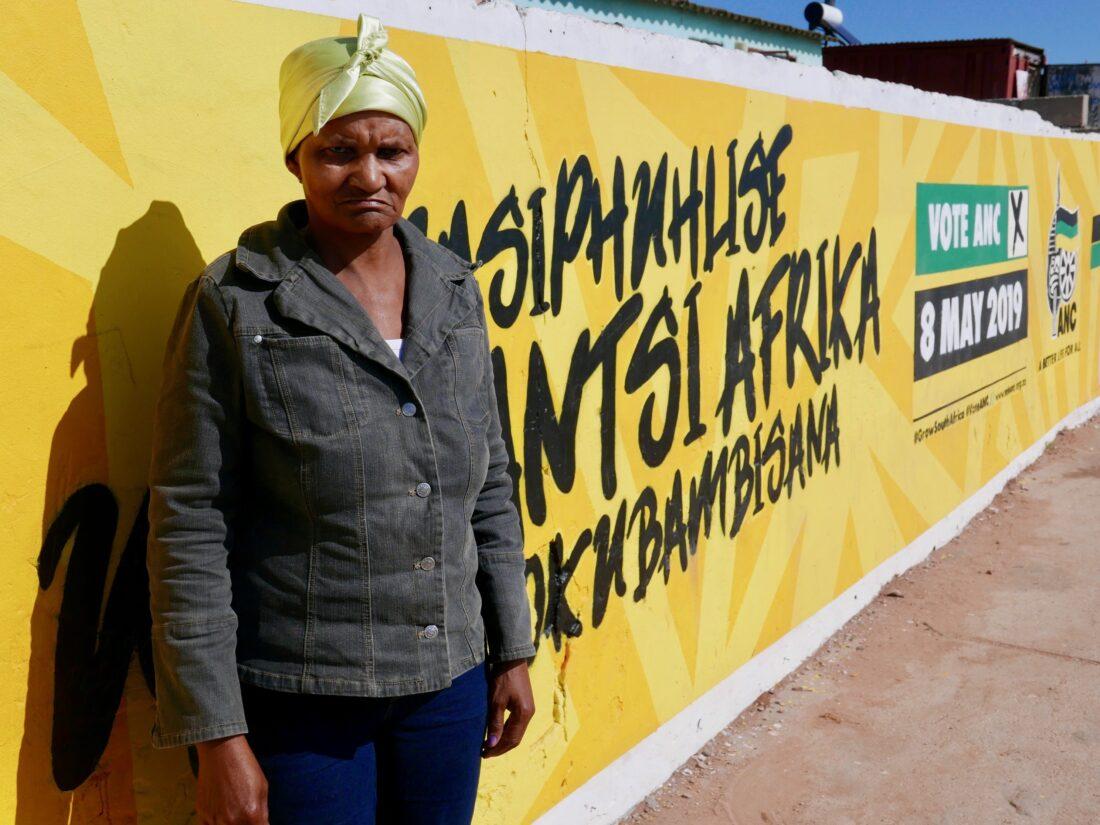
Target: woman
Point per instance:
(336, 568)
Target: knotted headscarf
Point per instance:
(335, 76)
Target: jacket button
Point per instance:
(257, 338)
(423, 489)
(431, 631)
(426, 563)
(408, 408)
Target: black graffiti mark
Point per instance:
(647, 360)
(555, 435)
(696, 428)
(747, 343)
(761, 175)
(757, 327)
(495, 240)
(457, 237)
(538, 253)
(649, 218)
(665, 203)
(566, 241)
(756, 470)
(740, 360)
(608, 227)
(92, 659)
(685, 210)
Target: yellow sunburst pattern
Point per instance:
(726, 399)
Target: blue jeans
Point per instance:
(338, 760)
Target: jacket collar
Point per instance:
(307, 291)
(272, 249)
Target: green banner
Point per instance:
(963, 225)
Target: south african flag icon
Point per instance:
(1094, 259)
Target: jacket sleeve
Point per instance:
(499, 534)
(193, 482)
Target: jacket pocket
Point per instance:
(470, 353)
(297, 385)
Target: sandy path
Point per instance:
(968, 692)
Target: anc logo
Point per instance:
(1061, 267)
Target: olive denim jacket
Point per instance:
(324, 517)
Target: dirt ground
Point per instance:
(967, 692)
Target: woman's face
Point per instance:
(357, 171)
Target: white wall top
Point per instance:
(502, 23)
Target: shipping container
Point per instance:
(978, 69)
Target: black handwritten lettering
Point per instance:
(648, 358)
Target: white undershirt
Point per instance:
(395, 345)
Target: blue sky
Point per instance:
(1068, 30)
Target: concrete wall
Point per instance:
(1066, 111)
(1077, 79)
(815, 379)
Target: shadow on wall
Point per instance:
(86, 729)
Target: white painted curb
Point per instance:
(624, 783)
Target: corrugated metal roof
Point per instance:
(925, 43)
(696, 8)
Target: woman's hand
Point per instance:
(509, 689)
(232, 790)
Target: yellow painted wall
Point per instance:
(139, 140)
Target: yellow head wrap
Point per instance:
(335, 76)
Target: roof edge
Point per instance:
(971, 41)
(713, 11)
